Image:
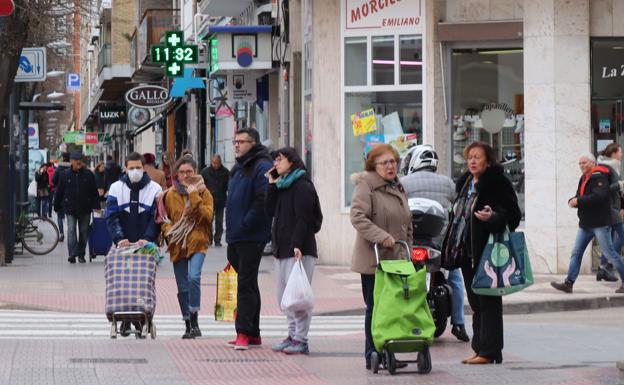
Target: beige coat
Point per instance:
(156, 175)
(378, 210)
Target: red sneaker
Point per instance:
(233, 342)
(255, 342)
(242, 342)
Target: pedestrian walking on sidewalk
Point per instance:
(380, 214)
(100, 181)
(596, 218)
(52, 189)
(155, 174)
(77, 196)
(248, 229)
(43, 190)
(60, 215)
(188, 209)
(167, 167)
(130, 211)
(293, 203)
(216, 177)
(112, 172)
(486, 203)
(421, 181)
(611, 158)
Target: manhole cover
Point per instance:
(132, 361)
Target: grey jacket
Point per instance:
(428, 184)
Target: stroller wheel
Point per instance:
(374, 360)
(390, 361)
(424, 361)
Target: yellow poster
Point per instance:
(364, 122)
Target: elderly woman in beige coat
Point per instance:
(380, 214)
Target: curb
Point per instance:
(525, 307)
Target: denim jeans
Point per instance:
(188, 277)
(617, 233)
(60, 216)
(456, 282)
(583, 238)
(76, 243)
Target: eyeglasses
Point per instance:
(385, 163)
(186, 172)
(239, 142)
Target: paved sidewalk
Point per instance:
(51, 283)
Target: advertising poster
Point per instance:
(364, 122)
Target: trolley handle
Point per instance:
(407, 247)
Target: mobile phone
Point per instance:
(274, 174)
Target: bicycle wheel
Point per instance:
(40, 236)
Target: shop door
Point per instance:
(607, 118)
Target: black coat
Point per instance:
(293, 210)
(217, 183)
(496, 191)
(77, 193)
(43, 182)
(595, 207)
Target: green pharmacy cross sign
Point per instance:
(174, 53)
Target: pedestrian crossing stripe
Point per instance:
(57, 325)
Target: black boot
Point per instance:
(605, 274)
(124, 330)
(459, 331)
(195, 325)
(187, 333)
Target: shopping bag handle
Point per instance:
(227, 267)
(403, 243)
(505, 235)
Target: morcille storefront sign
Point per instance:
(148, 96)
(383, 14)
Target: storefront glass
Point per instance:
(487, 99)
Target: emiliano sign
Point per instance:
(148, 96)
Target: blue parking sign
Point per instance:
(73, 80)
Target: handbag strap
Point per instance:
(504, 235)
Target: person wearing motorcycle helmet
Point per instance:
(421, 181)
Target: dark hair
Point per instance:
(252, 132)
(109, 157)
(149, 158)
(135, 156)
(185, 160)
(65, 156)
(490, 154)
(292, 156)
(610, 150)
(378, 150)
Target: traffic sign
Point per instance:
(32, 65)
(174, 54)
(73, 81)
(6, 7)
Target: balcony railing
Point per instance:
(153, 25)
(104, 57)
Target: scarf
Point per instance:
(287, 180)
(459, 231)
(179, 232)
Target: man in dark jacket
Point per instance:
(112, 172)
(216, 179)
(77, 196)
(130, 211)
(596, 216)
(248, 229)
(60, 215)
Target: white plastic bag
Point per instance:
(298, 294)
(32, 189)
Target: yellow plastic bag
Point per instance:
(227, 288)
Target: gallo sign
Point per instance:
(148, 96)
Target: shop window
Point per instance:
(397, 116)
(410, 64)
(487, 97)
(355, 61)
(383, 60)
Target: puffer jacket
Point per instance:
(201, 214)
(595, 209)
(378, 210)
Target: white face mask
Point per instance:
(135, 175)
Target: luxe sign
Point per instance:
(112, 114)
(148, 96)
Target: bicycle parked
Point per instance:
(36, 234)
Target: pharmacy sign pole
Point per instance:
(174, 54)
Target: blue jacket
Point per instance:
(130, 209)
(245, 218)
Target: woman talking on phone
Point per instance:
(292, 200)
(187, 230)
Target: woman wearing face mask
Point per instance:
(186, 227)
